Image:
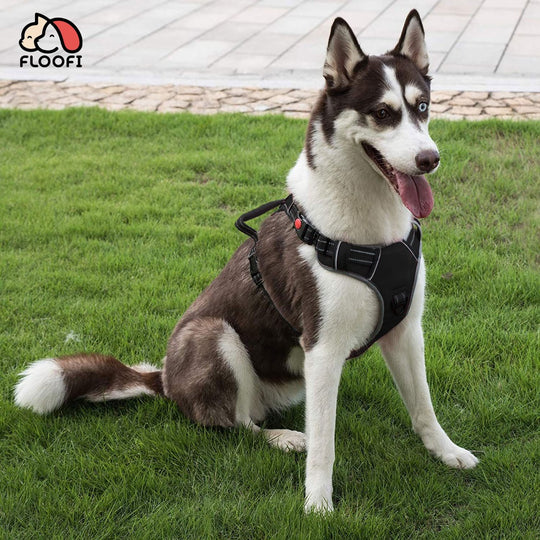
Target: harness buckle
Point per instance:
(399, 303)
(322, 244)
(305, 231)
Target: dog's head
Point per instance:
(380, 104)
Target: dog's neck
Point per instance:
(344, 197)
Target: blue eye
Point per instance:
(423, 107)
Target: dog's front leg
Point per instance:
(322, 371)
(403, 351)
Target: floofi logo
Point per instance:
(51, 36)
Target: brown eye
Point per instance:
(381, 114)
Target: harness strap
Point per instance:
(333, 254)
(253, 264)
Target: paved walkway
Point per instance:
(208, 100)
(267, 55)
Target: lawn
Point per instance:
(110, 226)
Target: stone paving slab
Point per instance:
(290, 102)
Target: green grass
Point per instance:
(112, 223)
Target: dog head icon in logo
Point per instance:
(49, 35)
(31, 32)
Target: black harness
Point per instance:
(390, 271)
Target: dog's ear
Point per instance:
(412, 43)
(342, 56)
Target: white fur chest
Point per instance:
(346, 200)
(349, 308)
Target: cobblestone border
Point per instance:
(290, 102)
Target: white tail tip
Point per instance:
(42, 387)
(145, 367)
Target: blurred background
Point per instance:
(473, 44)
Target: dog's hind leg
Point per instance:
(196, 376)
(403, 351)
(209, 374)
(250, 406)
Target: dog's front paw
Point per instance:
(459, 458)
(287, 439)
(442, 447)
(318, 505)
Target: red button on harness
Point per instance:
(297, 223)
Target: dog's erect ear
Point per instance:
(412, 43)
(342, 56)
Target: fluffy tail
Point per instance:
(48, 384)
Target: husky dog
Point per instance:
(234, 355)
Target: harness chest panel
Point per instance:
(390, 271)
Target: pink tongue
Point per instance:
(415, 194)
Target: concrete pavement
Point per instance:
(474, 44)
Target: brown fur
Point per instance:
(196, 377)
(96, 374)
(233, 297)
(194, 374)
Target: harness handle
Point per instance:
(252, 214)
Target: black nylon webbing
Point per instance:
(255, 213)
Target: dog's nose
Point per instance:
(427, 160)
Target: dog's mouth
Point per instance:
(415, 191)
